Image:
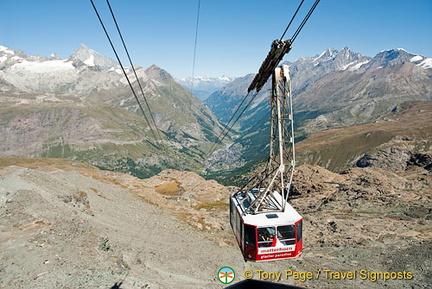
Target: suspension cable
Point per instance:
(304, 20)
(122, 67)
(228, 127)
(279, 49)
(241, 113)
(133, 68)
(195, 45)
(292, 19)
(227, 124)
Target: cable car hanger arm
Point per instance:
(278, 50)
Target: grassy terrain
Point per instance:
(337, 148)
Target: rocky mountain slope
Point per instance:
(360, 95)
(325, 83)
(82, 108)
(390, 141)
(66, 224)
(304, 72)
(332, 90)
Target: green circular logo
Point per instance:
(226, 275)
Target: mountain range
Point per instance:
(344, 75)
(83, 108)
(334, 89)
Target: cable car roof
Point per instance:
(271, 218)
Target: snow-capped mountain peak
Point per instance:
(398, 56)
(326, 55)
(55, 75)
(6, 50)
(9, 56)
(91, 58)
(333, 59)
(422, 61)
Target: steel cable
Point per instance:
(304, 20)
(123, 69)
(133, 68)
(292, 19)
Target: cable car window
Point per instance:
(238, 227)
(233, 213)
(299, 228)
(249, 233)
(266, 236)
(286, 235)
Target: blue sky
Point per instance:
(234, 35)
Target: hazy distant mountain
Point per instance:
(203, 87)
(82, 107)
(333, 89)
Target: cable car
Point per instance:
(265, 236)
(265, 225)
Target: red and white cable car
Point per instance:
(265, 236)
(265, 225)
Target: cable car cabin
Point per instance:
(265, 236)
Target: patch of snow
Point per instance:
(427, 63)
(416, 58)
(396, 49)
(3, 59)
(358, 65)
(8, 51)
(321, 55)
(16, 57)
(347, 65)
(225, 78)
(44, 67)
(90, 61)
